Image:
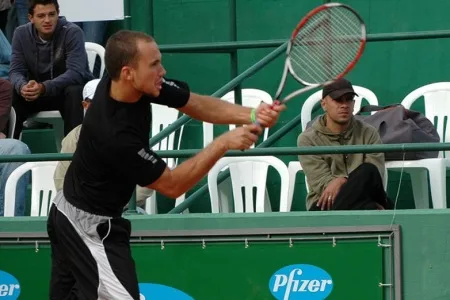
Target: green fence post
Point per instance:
(234, 64)
(152, 16)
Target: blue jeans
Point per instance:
(21, 11)
(13, 147)
(5, 50)
(94, 31)
(4, 70)
(17, 15)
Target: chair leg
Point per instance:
(225, 195)
(150, 205)
(419, 182)
(438, 186)
(267, 204)
(292, 177)
(179, 200)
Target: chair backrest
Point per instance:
(248, 173)
(311, 101)
(42, 182)
(92, 50)
(250, 98)
(162, 117)
(11, 122)
(437, 107)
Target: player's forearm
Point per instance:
(191, 171)
(212, 110)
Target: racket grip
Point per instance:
(275, 103)
(253, 116)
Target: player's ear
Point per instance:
(127, 73)
(323, 103)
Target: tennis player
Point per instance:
(90, 241)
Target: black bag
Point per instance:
(397, 125)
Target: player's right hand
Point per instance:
(241, 138)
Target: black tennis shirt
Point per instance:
(113, 153)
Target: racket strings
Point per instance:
(326, 45)
(324, 42)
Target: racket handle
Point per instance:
(275, 103)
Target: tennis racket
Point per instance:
(325, 45)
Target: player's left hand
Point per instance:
(267, 115)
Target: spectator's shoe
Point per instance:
(31, 124)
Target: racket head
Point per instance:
(326, 44)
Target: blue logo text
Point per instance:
(305, 282)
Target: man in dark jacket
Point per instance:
(48, 66)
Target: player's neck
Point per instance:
(122, 92)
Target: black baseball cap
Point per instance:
(338, 88)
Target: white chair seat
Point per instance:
(294, 167)
(47, 114)
(417, 169)
(250, 98)
(162, 117)
(248, 173)
(42, 181)
(437, 109)
(93, 50)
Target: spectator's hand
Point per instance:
(267, 115)
(329, 194)
(2, 135)
(32, 90)
(241, 138)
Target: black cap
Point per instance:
(338, 88)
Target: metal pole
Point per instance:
(152, 16)
(234, 64)
(262, 149)
(230, 46)
(127, 12)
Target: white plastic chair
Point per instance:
(311, 101)
(42, 181)
(12, 122)
(437, 106)
(250, 98)
(294, 167)
(93, 50)
(162, 117)
(248, 172)
(53, 117)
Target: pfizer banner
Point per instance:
(304, 270)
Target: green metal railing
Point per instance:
(253, 152)
(219, 47)
(379, 148)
